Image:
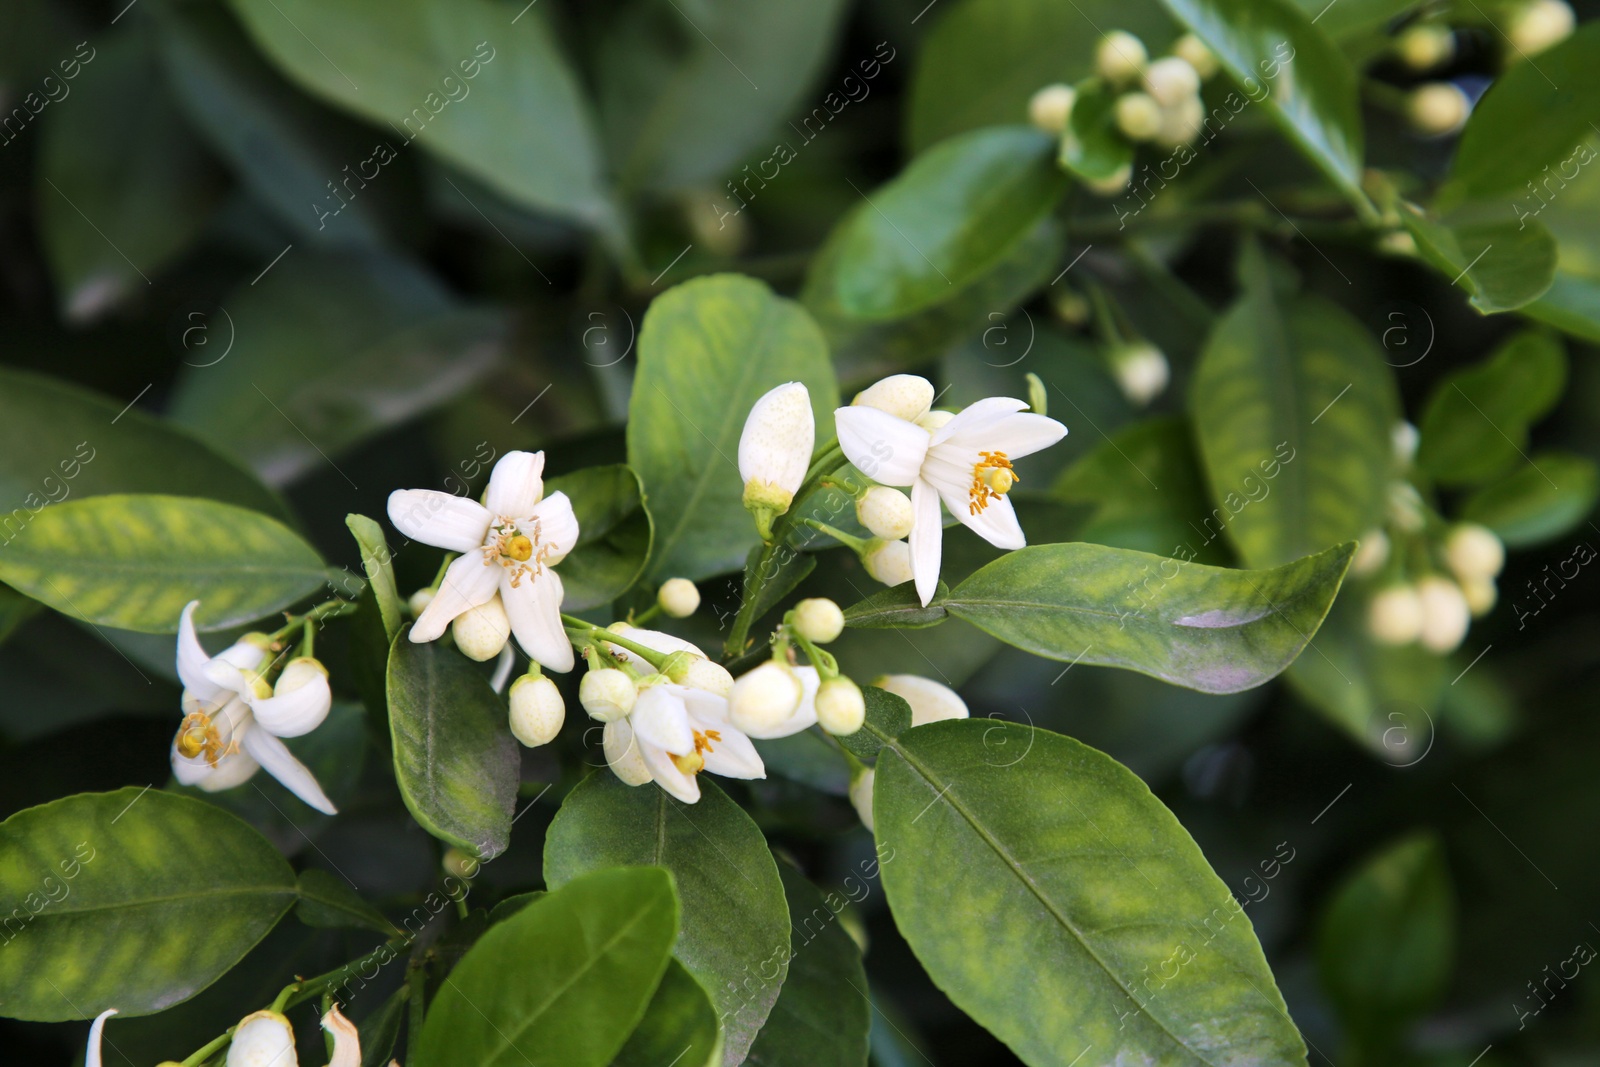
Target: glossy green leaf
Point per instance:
(679, 1026)
(1310, 88)
(1571, 305)
(1530, 118)
(1208, 628)
(326, 899)
(106, 898)
(586, 959)
(614, 534)
(897, 607)
(1353, 18)
(15, 609)
(1386, 941)
(1293, 407)
(133, 562)
(955, 213)
(1538, 501)
(708, 350)
(455, 760)
(889, 715)
(1476, 422)
(781, 574)
(1058, 903)
(378, 564)
(418, 62)
(1093, 146)
(1502, 265)
(123, 187)
(380, 1029)
(735, 936)
(823, 1015)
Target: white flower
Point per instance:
(346, 1039)
(905, 396)
(1372, 554)
(1425, 45)
(509, 544)
(263, 1039)
(232, 722)
(1051, 107)
(675, 732)
(1180, 123)
(691, 668)
(1141, 371)
(930, 701)
(1480, 594)
(91, 1054)
(966, 463)
(678, 597)
(1437, 108)
(775, 449)
(537, 710)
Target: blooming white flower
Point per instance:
(775, 450)
(510, 544)
(677, 731)
(966, 463)
(91, 1054)
(537, 710)
(930, 701)
(263, 1039)
(232, 721)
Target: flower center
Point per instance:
(692, 763)
(199, 736)
(521, 553)
(992, 478)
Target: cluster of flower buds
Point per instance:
(778, 698)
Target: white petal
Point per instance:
(233, 769)
(535, 610)
(996, 524)
(192, 659)
(733, 756)
(442, 520)
(242, 654)
(558, 527)
(91, 1056)
(659, 718)
(275, 756)
(1019, 434)
(926, 540)
(624, 754)
(468, 582)
(930, 701)
(804, 717)
(654, 640)
(346, 1039)
(979, 418)
(884, 448)
(516, 484)
(229, 679)
(668, 777)
(779, 434)
(297, 710)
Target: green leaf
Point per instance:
(708, 350)
(889, 716)
(735, 937)
(1093, 147)
(326, 899)
(1476, 421)
(1293, 408)
(455, 760)
(1503, 265)
(679, 1026)
(1571, 305)
(133, 562)
(897, 607)
(954, 214)
(614, 534)
(134, 899)
(419, 61)
(1530, 118)
(380, 1029)
(586, 959)
(1311, 90)
(1058, 903)
(123, 186)
(1385, 944)
(787, 568)
(1208, 628)
(59, 441)
(823, 1016)
(378, 565)
(1535, 503)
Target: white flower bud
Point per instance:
(1395, 616)
(1180, 123)
(1138, 116)
(537, 710)
(263, 1039)
(1481, 595)
(459, 863)
(1371, 554)
(888, 562)
(1051, 107)
(1540, 25)
(1141, 371)
(1120, 57)
(346, 1039)
(904, 396)
(1473, 551)
(481, 632)
(678, 597)
(765, 697)
(861, 794)
(884, 511)
(930, 701)
(841, 709)
(1445, 615)
(1193, 51)
(818, 620)
(775, 448)
(1171, 80)
(934, 419)
(1397, 243)
(300, 700)
(419, 601)
(1425, 46)
(1404, 437)
(1437, 109)
(623, 754)
(701, 673)
(606, 694)
(1112, 185)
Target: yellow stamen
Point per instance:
(199, 736)
(992, 478)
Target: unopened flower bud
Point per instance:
(905, 396)
(481, 632)
(1437, 109)
(1180, 123)
(701, 673)
(1120, 57)
(419, 601)
(1425, 45)
(1481, 595)
(888, 562)
(861, 794)
(1538, 26)
(930, 701)
(1445, 614)
(884, 511)
(1171, 80)
(1395, 616)
(841, 709)
(1474, 552)
(537, 710)
(1193, 51)
(775, 451)
(1397, 243)
(678, 597)
(607, 694)
(934, 419)
(263, 1039)
(1404, 437)
(1141, 371)
(818, 620)
(1050, 108)
(764, 697)
(1371, 555)
(1138, 116)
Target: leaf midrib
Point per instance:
(172, 898)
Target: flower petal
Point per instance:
(884, 448)
(535, 611)
(346, 1039)
(733, 756)
(979, 418)
(804, 717)
(659, 718)
(996, 524)
(442, 520)
(91, 1055)
(651, 639)
(468, 583)
(275, 756)
(293, 712)
(516, 484)
(558, 527)
(192, 659)
(1016, 434)
(926, 540)
(624, 754)
(668, 777)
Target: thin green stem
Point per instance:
(647, 614)
(205, 1052)
(416, 986)
(588, 632)
(859, 544)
